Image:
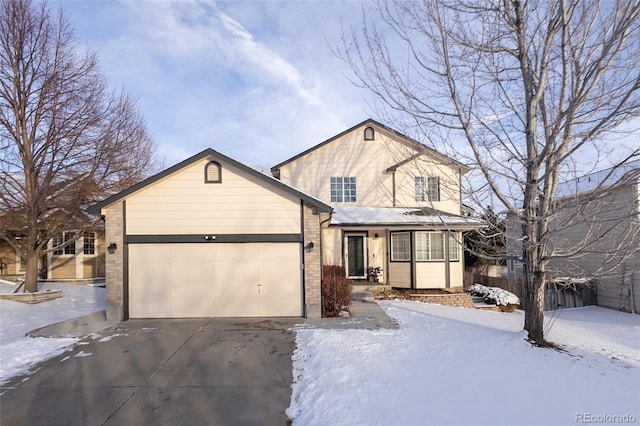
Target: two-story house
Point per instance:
(211, 236)
(595, 236)
(396, 206)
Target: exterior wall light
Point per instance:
(309, 245)
(112, 248)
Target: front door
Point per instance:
(356, 255)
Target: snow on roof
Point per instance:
(597, 180)
(400, 216)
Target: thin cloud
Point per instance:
(257, 59)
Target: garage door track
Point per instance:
(165, 372)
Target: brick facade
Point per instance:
(460, 300)
(312, 264)
(114, 233)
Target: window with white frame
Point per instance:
(62, 239)
(430, 246)
(343, 189)
(400, 246)
(89, 243)
(427, 188)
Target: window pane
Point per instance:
(336, 189)
(57, 241)
(437, 246)
(453, 247)
(350, 189)
(89, 243)
(71, 248)
(400, 246)
(433, 188)
(421, 189)
(422, 246)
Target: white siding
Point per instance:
(183, 204)
(352, 156)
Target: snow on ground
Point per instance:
(19, 353)
(455, 366)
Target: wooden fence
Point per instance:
(556, 296)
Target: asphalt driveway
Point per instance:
(163, 372)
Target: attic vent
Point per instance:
(369, 134)
(213, 172)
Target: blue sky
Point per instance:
(254, 80)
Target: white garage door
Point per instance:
(214, 280)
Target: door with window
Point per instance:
(355, 254)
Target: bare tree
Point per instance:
(529, 92)
(65, 138)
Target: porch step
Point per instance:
(479, 303)
(362, 295)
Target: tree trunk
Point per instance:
(534, 307)
(31, 277)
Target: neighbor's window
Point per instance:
(89, 239)
(343, 189)
(427, 188)
(400, 246)
(61, 239)
(213, 172)
(369, 134)
(430, 246)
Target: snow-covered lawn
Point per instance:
(19, 353)
(455, 366)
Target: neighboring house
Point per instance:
(596, 235)
(211, 237)
(396, 206)
(82, 259)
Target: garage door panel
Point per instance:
(194, 308)
(273, 307)
(280, 251)
(234, 306)
(239, 290)
(238, 251)
(192, 251)
(193, 289)
(195, 268)
(243, 270)
(149, 308)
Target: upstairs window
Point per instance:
(427, 188)
(62, 239)
(213, 172)
(369, 134)
(343, 189)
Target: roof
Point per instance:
(401, 216)
(628, 173)
(210, 154)
(421, 148)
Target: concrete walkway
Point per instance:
(366, 314)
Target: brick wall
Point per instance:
(460, 300)
(114, 268)
(312, 264)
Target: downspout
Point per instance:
(393, 187)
